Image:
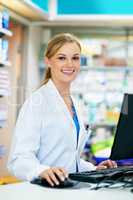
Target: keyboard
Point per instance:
(97, 176)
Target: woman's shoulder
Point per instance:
(42, 90)
(36, 99)
(39, 91)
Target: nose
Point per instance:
(69, 62)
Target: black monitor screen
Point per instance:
(123, 142)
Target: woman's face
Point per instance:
(65, 64)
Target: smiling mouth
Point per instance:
(68, 72)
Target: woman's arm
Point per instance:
(86, 166)
(23, 162)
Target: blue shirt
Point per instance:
(75, 119)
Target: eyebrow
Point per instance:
(61, 54)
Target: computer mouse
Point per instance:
(63, 184)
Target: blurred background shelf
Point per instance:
(5, 63)
(8, 180)
(6, 32)
(104, 68)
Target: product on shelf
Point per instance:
(3, 115)
(5, 89)
(2, 151)
(0, 48)
(0, 19)
(4, 50)
(5, 19)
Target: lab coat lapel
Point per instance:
(60, 102)
(57, 97)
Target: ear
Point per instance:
(47, 61)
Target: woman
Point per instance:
(49, 134)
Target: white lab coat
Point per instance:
(45, 135)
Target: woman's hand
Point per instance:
(107, 164)
(54, 175)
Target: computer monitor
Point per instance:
(123, 142)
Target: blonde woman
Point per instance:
(49, 133)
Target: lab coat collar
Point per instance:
(58, 98)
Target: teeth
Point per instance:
(68, 71)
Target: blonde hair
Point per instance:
(54, 45)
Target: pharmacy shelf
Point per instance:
(102, 68)
(8, 180)
(103, 124)
(5, 63)
(6, 32)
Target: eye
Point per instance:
(76, 58)
(61, 58)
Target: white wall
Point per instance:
(36, 36)
(34, 39)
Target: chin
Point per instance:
(68, 79)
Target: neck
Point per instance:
(63, 88)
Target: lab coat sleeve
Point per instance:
(86, 166)
(23, 162)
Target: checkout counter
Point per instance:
(81, 191)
